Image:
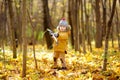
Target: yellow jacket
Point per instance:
(62, 42)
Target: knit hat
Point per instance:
(63, 22)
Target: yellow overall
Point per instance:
(60, 48)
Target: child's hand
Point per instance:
(56, 35)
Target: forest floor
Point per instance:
(79, 66)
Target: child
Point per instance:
(61, 46)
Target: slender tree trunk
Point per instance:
(24, 28)
(74, 16)
(33, 39)
(119, 2)
(104, 18)
(4, 29)
(19, 24)
(98, 41)
(70, 21)
(34, 50)
(111, 31)
(76, 25)
(107, 36)
(63, 11)
(117, 29)
(3, 9)
(11, 14)
(112, 36)
(83, 28)
(92, 20)
(31, 6)
(53, 11)
(47, 23)
(87, 27)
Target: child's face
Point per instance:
(62, 28)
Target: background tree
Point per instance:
(112, 28)
(98, 39)
(12, 25)
(104, 18)
(107, 35)
(24, 27)
(18, 24)
(76, 7)
(117, 29)
(47, 23)
(87, 25)
(74, 22)
(83, 27)
(70, 21)
(53, 12)
(33, 39)
(3, 8)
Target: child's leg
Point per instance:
(55, 62)
(62, 59)
(55, 58)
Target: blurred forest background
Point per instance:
(94, 24)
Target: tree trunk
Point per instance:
(31, 6)
(24, 28)
(111, 31)
(3, 8)
(19, 24)
(76, 25)
(107, 36)
(63, 11)
(12, 25)
(74, 18)
(47, 23)
(87, 27)
(83, 28)
(119, 2)
(104, 18)
(33, 39)
(70, 21)
(4, 30)
(112, 36)
(53, 11)
(98, 41)
(117, 29)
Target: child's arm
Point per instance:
(53, 35)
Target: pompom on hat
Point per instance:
(63, 22)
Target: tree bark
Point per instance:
(98, 41)
(24, 28)
(83, 28)
(87, 26)
(104, 18)
(31, 6)
(53, 12)
(47, 23)
(63, 11)
(33, 39)
(77, 25)
(107, 36)
(3, 9)
(70, 21)
(19, 24)
(117, 29)
(111, 31)
(12, 25)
